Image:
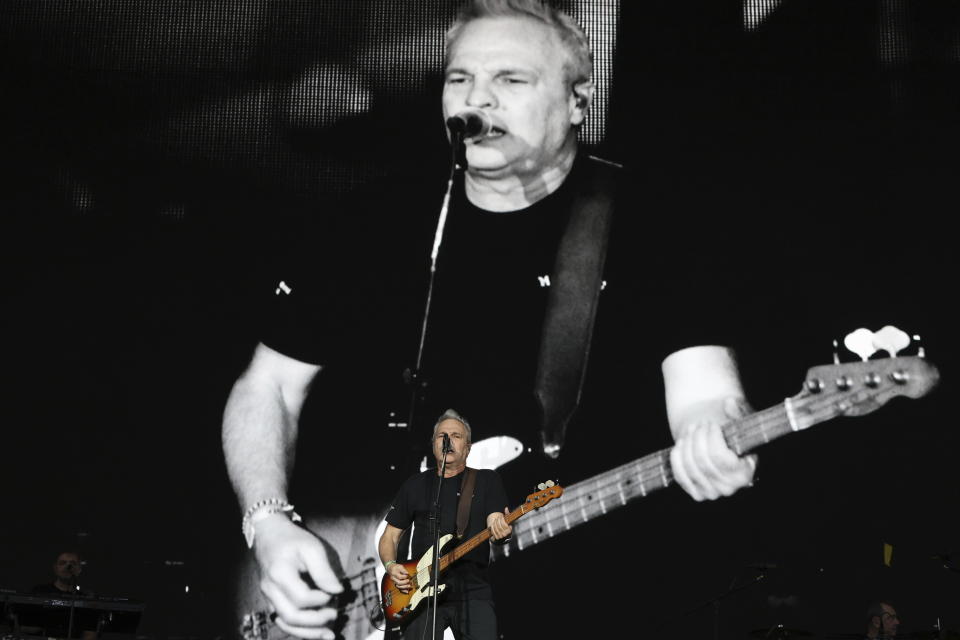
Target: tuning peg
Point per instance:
(920, 350)
(891, 340)
(541, 486)
(861, 342)
(550, 483)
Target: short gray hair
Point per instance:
(450, 414)
(579, 67)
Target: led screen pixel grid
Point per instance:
(145, 98)
(285, 93)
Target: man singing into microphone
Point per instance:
(499, 345)
(466, 604)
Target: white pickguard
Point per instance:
(489, 453)
(492, 453)
(423, 573)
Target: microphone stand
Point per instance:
(70, 622)
(436, 537)
(74, 594)
(732, 589)
(458, 161)
(715, 601)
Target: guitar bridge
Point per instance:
(401, 613)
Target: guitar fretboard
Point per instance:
(584, 501)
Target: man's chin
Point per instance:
(486, 161)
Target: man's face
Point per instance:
(889, 620)
(458, 440)
(513, 69)
(67, 566)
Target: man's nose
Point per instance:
(480, 95)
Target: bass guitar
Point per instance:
(828, 392)
(398, 606)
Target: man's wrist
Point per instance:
(388, 563)
(264, 509)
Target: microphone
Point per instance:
(446, 444)
(470, 123)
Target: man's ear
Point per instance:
(581, 99)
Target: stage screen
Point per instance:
(162, 158)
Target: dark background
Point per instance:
(157, 156)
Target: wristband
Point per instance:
(386, 565)
(260, 510)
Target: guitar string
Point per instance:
(754, 429)
(654, 466)
(366, 583)
(653, 471)
(763, 426)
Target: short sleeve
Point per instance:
(401, 511)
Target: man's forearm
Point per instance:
(259, 440)
(387, 547)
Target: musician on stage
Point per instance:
(882, 621)
(526, 69)
(467, 601)
(66, 574)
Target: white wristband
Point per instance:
(262, 509)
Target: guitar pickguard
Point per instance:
(423, 576)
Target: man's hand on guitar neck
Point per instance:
(285, 552)
(499, 529)
(703, 392)
(701, 461)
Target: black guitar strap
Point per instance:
(572, 306)
(466, 495)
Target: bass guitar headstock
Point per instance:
(548, 491)
(857, 388)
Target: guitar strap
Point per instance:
(572, 305)
(466, 495)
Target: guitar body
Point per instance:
(398, 606)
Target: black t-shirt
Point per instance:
(52, 589)
(413, 505)
(49, 587)
(354, 302)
